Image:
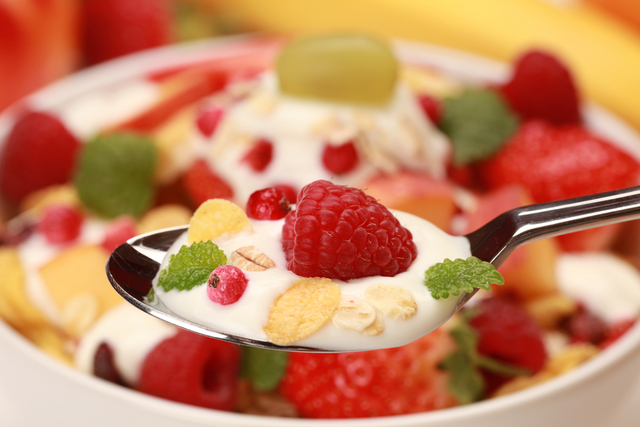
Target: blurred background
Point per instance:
(44, 40)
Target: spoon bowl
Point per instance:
(132, 267)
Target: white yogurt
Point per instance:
(248, 316)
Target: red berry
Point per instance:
(268, 204)
(193, 369)
(60, 224)
(208, 121)
(104, 365)
(290, 192)
(616, 330)
(259, 156)
(202, 184)
(585, 327)
(542, 88)
(39, 152)
(375, 383)
(431, 107)
(560, 162)
(226, 284)
(341, 233)
(340, 159)
(119, 231)
(112, 28)
(507, 333)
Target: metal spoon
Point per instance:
(132, 266)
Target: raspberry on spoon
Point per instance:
(339, 232)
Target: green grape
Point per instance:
(338, 68)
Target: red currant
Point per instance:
(290, 192)
(270, 203)
(208, 120)
(340, 159)
(226, 284)
(259, 156)
(60, 224)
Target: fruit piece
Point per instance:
(478, 123)
(259, 156)
(164, 216)
(115, 175)
(541, 87)
(268, 204)
(585, 327)
(119, 231)
(289, 191)
(112, 28)
(193, 369)
(64, 194)
(302, 310)
(323, 237)
(208, 120)
(191, 266)
(104, 365)
(616, 330)
(248, 258)
(38, 152)
(226, 284)
(340, 159)
(355, 69)
(392, 301)
(507, 333)
(60, 224)
(562, 162)
(375, 383)
(460, 275)
(202, 184)
(431, 106)
(216, 217)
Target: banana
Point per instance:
(603, 54)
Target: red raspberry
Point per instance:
(259, 156)
(208, 121)
(226, 284)
(375, 383)
(39, 152)
(340, 159)
(341, 233)
(542, 88)
(119, 231)
(60, 224)
(202, 184)
(112, 28)
(431, 106)
(507, 333)
(268, 204)
(193, 369)
(104, 365)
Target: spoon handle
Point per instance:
(495, 241)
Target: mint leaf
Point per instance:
(478, 122)
(465, 380)
(191, 266)
(451, 277)
(263, 368)
(115, 175)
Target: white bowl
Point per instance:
(37, 390)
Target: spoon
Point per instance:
(132, 267)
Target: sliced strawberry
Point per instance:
(543, 88)
(193, 369)
(202, 184)
(38, 152)
(375, 383)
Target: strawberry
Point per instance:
(616, 330)
(39, 152)
(543, 88)
(375, 383)
(112, 28)
(202, 184)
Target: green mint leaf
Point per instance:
(478, 122)
(115, 175)
(501, 368)
(263, 368)
(465, 381)
(191, 266)
(451, 277)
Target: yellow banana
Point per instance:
(603, 54)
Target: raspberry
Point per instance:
(259, 156)
(542, 88)
(341, 233)
(202, 184)
(119, 231)
(270, 203)
(431, 107)
(39, 152)
(226, 284)
(60, 224)
(104, 365)
(340, 159)
(193, 369)
(208, 121)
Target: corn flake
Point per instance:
(216, 217)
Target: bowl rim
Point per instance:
(412, 52)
